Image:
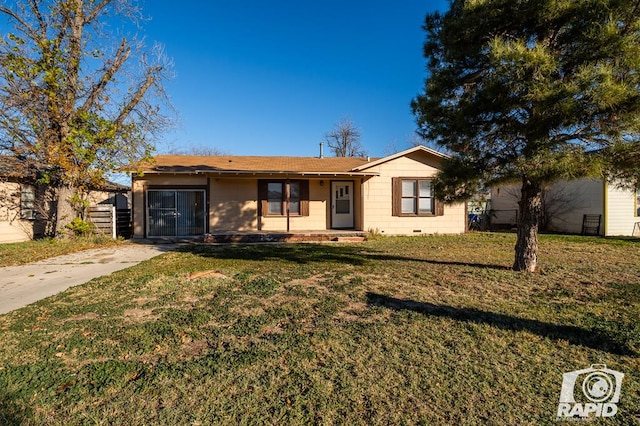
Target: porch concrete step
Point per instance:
(278, 237)
(349, 239)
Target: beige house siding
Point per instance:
(138, 208)
(12, 228)
(377, 200)
(10, 201)
(119, 200)
(15, 231)
(233, 205)
(620, 216)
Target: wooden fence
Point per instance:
(109, 221)
(124, 227)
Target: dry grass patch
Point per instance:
(206, 274)
(316, 283)
(138, 315)
(354, 311)
(251, 306)
(141, 301)
(32, 251)
(194, 349)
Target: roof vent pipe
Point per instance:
(321, 149)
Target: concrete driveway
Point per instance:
(22, 285)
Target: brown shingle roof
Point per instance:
(25, 170)
(17, 168)
(228, 163)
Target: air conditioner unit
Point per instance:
(28, 214)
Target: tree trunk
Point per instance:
(526, 258)
(47, 208)
(65, 212)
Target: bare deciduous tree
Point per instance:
(76, 95)
(344, 139)
(200, 150)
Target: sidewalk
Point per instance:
(22, 285)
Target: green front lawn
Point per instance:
(432, 330)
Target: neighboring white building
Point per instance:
(568, 201)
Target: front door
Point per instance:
(175, 213)
(341, 204)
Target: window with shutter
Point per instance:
(414, 197)
(275, 195)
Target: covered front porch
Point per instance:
(232, 208)
(249, 198)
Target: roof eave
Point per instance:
(250, 173)
(401, 154)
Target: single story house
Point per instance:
(26, 205)
(608, 209)
(182, 196)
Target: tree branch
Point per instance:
(76, 21)
(27, 28)
(150, 79)
(39, 17)
(96, 11)
(120, 58)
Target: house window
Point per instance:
(275, 198)
(638, 202)
(277, 194)
(414, 197)
(27, 202)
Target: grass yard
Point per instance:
(31, 251)
(417, 330)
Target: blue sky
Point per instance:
(271, 78)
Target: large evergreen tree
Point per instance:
(76, 94)
(523, 90)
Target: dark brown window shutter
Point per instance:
(438, 207)
(304, 198)
(263, 207)
(396, 196)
